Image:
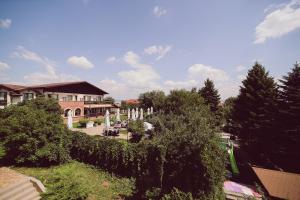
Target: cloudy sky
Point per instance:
(131, 46)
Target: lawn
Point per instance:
(75, 180)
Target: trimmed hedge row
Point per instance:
(144, 161)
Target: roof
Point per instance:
(13, 87)
(55, 85)
(132, 101)
(279, 184)
(52, 86)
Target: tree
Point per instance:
(289, 107)
(153, 99)
(227, 110)
(33, 133)
(210, 95)
(109, 100)
(254, 110)
(290, 97)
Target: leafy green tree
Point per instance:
(255, 110)
(210, 95)
(137, 130)
(33, 133)
(153, 99)
(109, 100)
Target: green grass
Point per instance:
(76, 180)
(76, 125)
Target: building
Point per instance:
(279, 184)
(82, 98)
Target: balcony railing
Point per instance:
(94, 102)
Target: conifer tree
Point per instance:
(210, 95)
(289, 119)
(290, 99)
(255, 108)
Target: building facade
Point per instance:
(81, 98)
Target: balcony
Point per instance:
(93, 102)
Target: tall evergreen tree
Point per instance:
(254, 110)
(289, 140)
(290, 97)
(210, 95)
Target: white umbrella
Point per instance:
(151, 110)
(107, 120)
(70, 119)
(128, 113)
(137, 113)
(141, 114)
(133, 114)
(118, 115)
(148, 111)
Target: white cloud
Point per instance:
(142, 76)
(4, 66)
(41, 77)
(188, 84)
(240, 68)
(158, 50)
(205, 71)
(284, 19)
(114, 88)
(80, 62)
(5, 23)
(159, 11)
(111, 59)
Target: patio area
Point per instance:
(98, 130)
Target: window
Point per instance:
(87, 98)
(75, 97)
(69, 97)
(64, 98)
(77, 112)
(66, 112)
(27, 96)
(3, 96)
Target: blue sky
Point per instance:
(128, 47)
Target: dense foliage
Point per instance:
(155, 99)
(255, 110)
(137, 130)
(33, 133)
(109, 100)
(289, 114)
(210, 95)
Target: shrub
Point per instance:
(97, 121)
(177, 195)
(83, 122)
(137, 130)
(33, 133)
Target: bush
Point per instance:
(177, 195)
(137, 130)
(97, 121)
(33, 133)
(83, 122)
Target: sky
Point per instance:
(127, 47)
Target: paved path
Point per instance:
(98, 130)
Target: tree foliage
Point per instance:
(255, 109)
(153, 99)
(109, 100)
(210, 95)
(33, 133)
